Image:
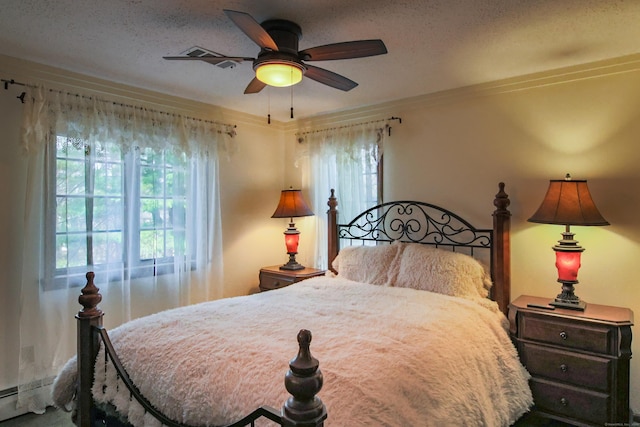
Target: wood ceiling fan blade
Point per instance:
(329, 78)
(252, 29)
(344, 50)
(211, 59)
(254, 86)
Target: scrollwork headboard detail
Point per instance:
(425, 223)
(416, 222)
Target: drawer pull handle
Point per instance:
(564, 368)
(564, 402)
(563, 335)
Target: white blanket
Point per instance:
(389, 356)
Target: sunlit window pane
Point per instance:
(96, 186)
(76, 214)
(108, 179)
(107, 247)
(76, 250)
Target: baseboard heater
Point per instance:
(8, 392)
(9, 398)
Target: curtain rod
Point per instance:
(23, 94)
(301, 134)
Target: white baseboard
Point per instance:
(9, 400)
(8, 407)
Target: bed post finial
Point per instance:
(502, 201)
(332, 228)
(88, 319)
(332, 203)
(501, 256)
(303, 381)
(90, 298)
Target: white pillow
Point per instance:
(437, 270)
(376, 265)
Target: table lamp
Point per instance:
(568, 202)
(291, 205)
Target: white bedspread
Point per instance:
(389, 356)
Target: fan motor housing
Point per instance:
(285, 34)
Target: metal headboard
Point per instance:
(429, 224)
(416, 222)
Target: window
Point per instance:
(371, 179)
(104, 197)
(96, 203)
(357, 179)
(160, 235)
(349, 160)
(371, 187)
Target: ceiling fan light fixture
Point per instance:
(279, 74)
(280, 63)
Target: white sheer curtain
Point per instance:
(345, 159)
(127, 192)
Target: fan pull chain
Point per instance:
(291, 101)
(268, 106)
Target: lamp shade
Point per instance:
(568, 202)
(291, 205)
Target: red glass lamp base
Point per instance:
(291, 240)
(568, 254)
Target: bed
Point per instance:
(408, 324)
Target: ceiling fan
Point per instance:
(279, 63)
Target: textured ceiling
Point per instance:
(433, 45)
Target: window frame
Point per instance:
(128, 266)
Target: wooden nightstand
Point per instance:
(274, 278)
(578, 360)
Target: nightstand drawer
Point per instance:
(271, 282)
(570, 402)
(565, 333)
(275, 278)
(575, 368)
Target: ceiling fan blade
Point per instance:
(254, 86)
(211, 59)
(252, 28)
(329, 78)
(344, 50)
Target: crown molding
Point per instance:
(34, 73)
(608, 67)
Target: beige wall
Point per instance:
(12, 178)
(453, 148)
(250, 190)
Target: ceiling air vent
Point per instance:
(198, 52)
